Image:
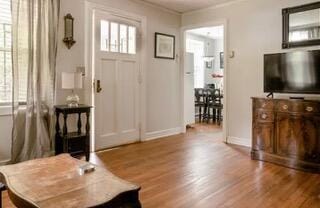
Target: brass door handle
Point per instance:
(99, 89)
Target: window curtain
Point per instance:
(34, 47)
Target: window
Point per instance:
(104, 35)
(114, 37)
(118, 38)
(197, 48)
(132, 40)
(123, 39)
(5, 52)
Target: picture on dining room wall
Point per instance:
(221, 60)
(164, 46)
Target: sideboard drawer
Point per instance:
(263, 104)
(284, 106)
(264, 116)
(297, 107)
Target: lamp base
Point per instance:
(73, 100)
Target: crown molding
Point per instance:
(214, 7)
(156, 6)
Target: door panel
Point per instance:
(106, 124)
(263, 132)
(298, 136)
(128, 79)
(288, 134)
(117, 105)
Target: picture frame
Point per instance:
(221, 60)
(291, 25)
(164, 46)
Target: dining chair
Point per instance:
(215, 105)
(200, 103)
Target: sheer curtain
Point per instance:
(34, 47)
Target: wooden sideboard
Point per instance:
(287, 132)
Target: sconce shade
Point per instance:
(71, 80)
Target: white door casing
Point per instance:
(117, 117)
(189, 110)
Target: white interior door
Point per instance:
(116, 75)
(189, 110)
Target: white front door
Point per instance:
(116, 74)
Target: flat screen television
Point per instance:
(293, 72)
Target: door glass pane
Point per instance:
(7, 36)
(123, 39)
(114, 44)
(104, 35)
(132, 40)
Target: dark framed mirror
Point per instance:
(301, 25)
(68, 31)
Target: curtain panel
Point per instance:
(34, 48)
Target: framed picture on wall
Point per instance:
(164, 46)
(221, 60)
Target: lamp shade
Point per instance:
(71, 80)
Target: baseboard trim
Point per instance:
(163, 133)
(239, 141)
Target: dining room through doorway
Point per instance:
(203, 78)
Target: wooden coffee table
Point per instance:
(55, 182)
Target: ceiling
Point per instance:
(183, 6)
(208, 32)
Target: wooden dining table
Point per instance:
(56, 182)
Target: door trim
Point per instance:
(89, 62)
(183, 30)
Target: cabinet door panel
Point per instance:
(263, 134)
(298, 136)
(310, 145)
(287, 129)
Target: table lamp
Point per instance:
(71, 81)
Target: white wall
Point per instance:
(254, 28)
(5, 137)
(162, 76)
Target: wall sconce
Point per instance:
(68, 31)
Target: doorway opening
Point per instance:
(204, 70)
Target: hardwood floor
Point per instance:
(198, 170)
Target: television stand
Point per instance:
(286, 132)
(296, 98)
(270, 95)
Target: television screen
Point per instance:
(293, 72)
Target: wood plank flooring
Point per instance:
(198, 170)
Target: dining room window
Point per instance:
(197, 48)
